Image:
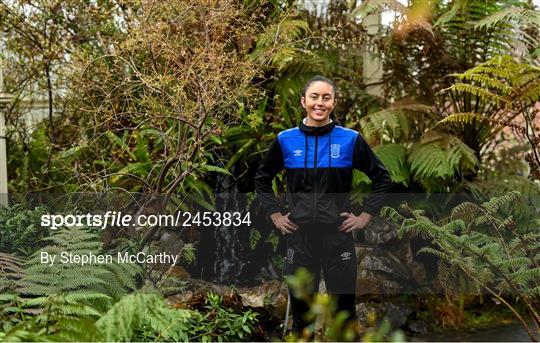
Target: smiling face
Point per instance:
(318, 101)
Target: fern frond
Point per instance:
(527, 277)
(531, 93)
(392, 214)
(434, 252)
(76, 329)
(393, 122)
(496, 203)
(513, 263)
(440, 157)
(394, 158)
(534, 291)
(466, 211)
(134, 311)
(469, 118)
(84, 290)
(512, 13)
(484, 80)
(276, 45)
(471, 257)
(479, 91)
(11, 272)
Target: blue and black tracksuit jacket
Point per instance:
(319, 163)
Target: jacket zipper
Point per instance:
(315, 179)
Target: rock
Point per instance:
(396, 314)
(271, 295)
(178, 272)
(367, 313)
(181, 300)
(362, 251)
(372, 314)
(376, 263)
(372, 283)
(418, 272)
(418, 327)
(171, 242)
(390, 287)
(380, 232)
(367, 284)
(388, 270)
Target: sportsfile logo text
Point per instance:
(117, 219)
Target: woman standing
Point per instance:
(319, 157)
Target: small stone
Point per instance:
(418, 327)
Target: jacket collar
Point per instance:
(317, 130)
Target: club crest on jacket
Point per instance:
(334, 150)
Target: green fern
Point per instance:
(73, 290)
(476, 243)
(132, 313)
(439, 158)
(395, 123)
(394, 158)
(471, 119)
(276, 45)
(512, 86)
(521, 18)
(11, 273)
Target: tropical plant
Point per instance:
(482, 244)
(51, 272)
(510, 90)
(424, 89)
(524, 21)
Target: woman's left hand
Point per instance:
(354, 223)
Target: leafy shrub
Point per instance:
(20, 229)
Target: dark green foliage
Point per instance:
(20, 230)
(75, 302)
(465, 42)
(219, 323)
(11, 272)
(478, 245)
(138, 317)
(160, 97)
(107, 282)
(143, 316)
(53, 299)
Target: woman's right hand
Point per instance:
(283, 223)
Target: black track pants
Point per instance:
(327, 249)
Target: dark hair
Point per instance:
(318, 78)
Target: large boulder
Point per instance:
(386, 265)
